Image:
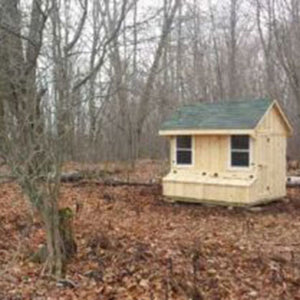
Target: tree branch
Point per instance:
(105, 48)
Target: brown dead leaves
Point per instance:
(131, 245)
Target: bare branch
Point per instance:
(104, 49)
(79, 29)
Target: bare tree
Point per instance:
(35, 152)
(143, 109)
(25, 147)
(233, 49)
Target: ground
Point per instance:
(132, 245)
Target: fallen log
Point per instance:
(71, 176)
(293, 181)
(112, 182)
(7, 178)
(64, 177)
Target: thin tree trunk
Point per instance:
(233, 87)
(143, 109)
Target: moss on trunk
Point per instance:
(68, 247)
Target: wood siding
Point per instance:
(210, 177)
(271, 157)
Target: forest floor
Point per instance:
(132, 245)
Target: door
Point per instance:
(264, 171)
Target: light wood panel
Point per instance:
(210, 178)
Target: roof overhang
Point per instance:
(174, 132)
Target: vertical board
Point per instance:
(211, 153)
(172, 150)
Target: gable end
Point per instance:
(275, 120)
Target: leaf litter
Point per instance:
(133, 245)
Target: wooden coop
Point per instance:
(227, 152)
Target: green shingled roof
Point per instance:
(218, 115)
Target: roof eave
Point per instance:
(174, 132)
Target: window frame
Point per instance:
(184, 149)
(249, 150)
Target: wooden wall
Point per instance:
(204, 192)
(211, 155)
(270, 155)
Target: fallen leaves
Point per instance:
(131, 245)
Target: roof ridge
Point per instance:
(223, 101)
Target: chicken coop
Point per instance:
(230, 153)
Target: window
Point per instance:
(184, 150)
(240, 151)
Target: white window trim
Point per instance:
(237, 168)
(192, 150)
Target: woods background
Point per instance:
(106, 73)
(92, 80)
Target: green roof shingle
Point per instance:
(218, 115)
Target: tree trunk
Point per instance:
(232, 51)
(143, 109)
(54, 263)
(59, 236)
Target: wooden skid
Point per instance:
(171, 199)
